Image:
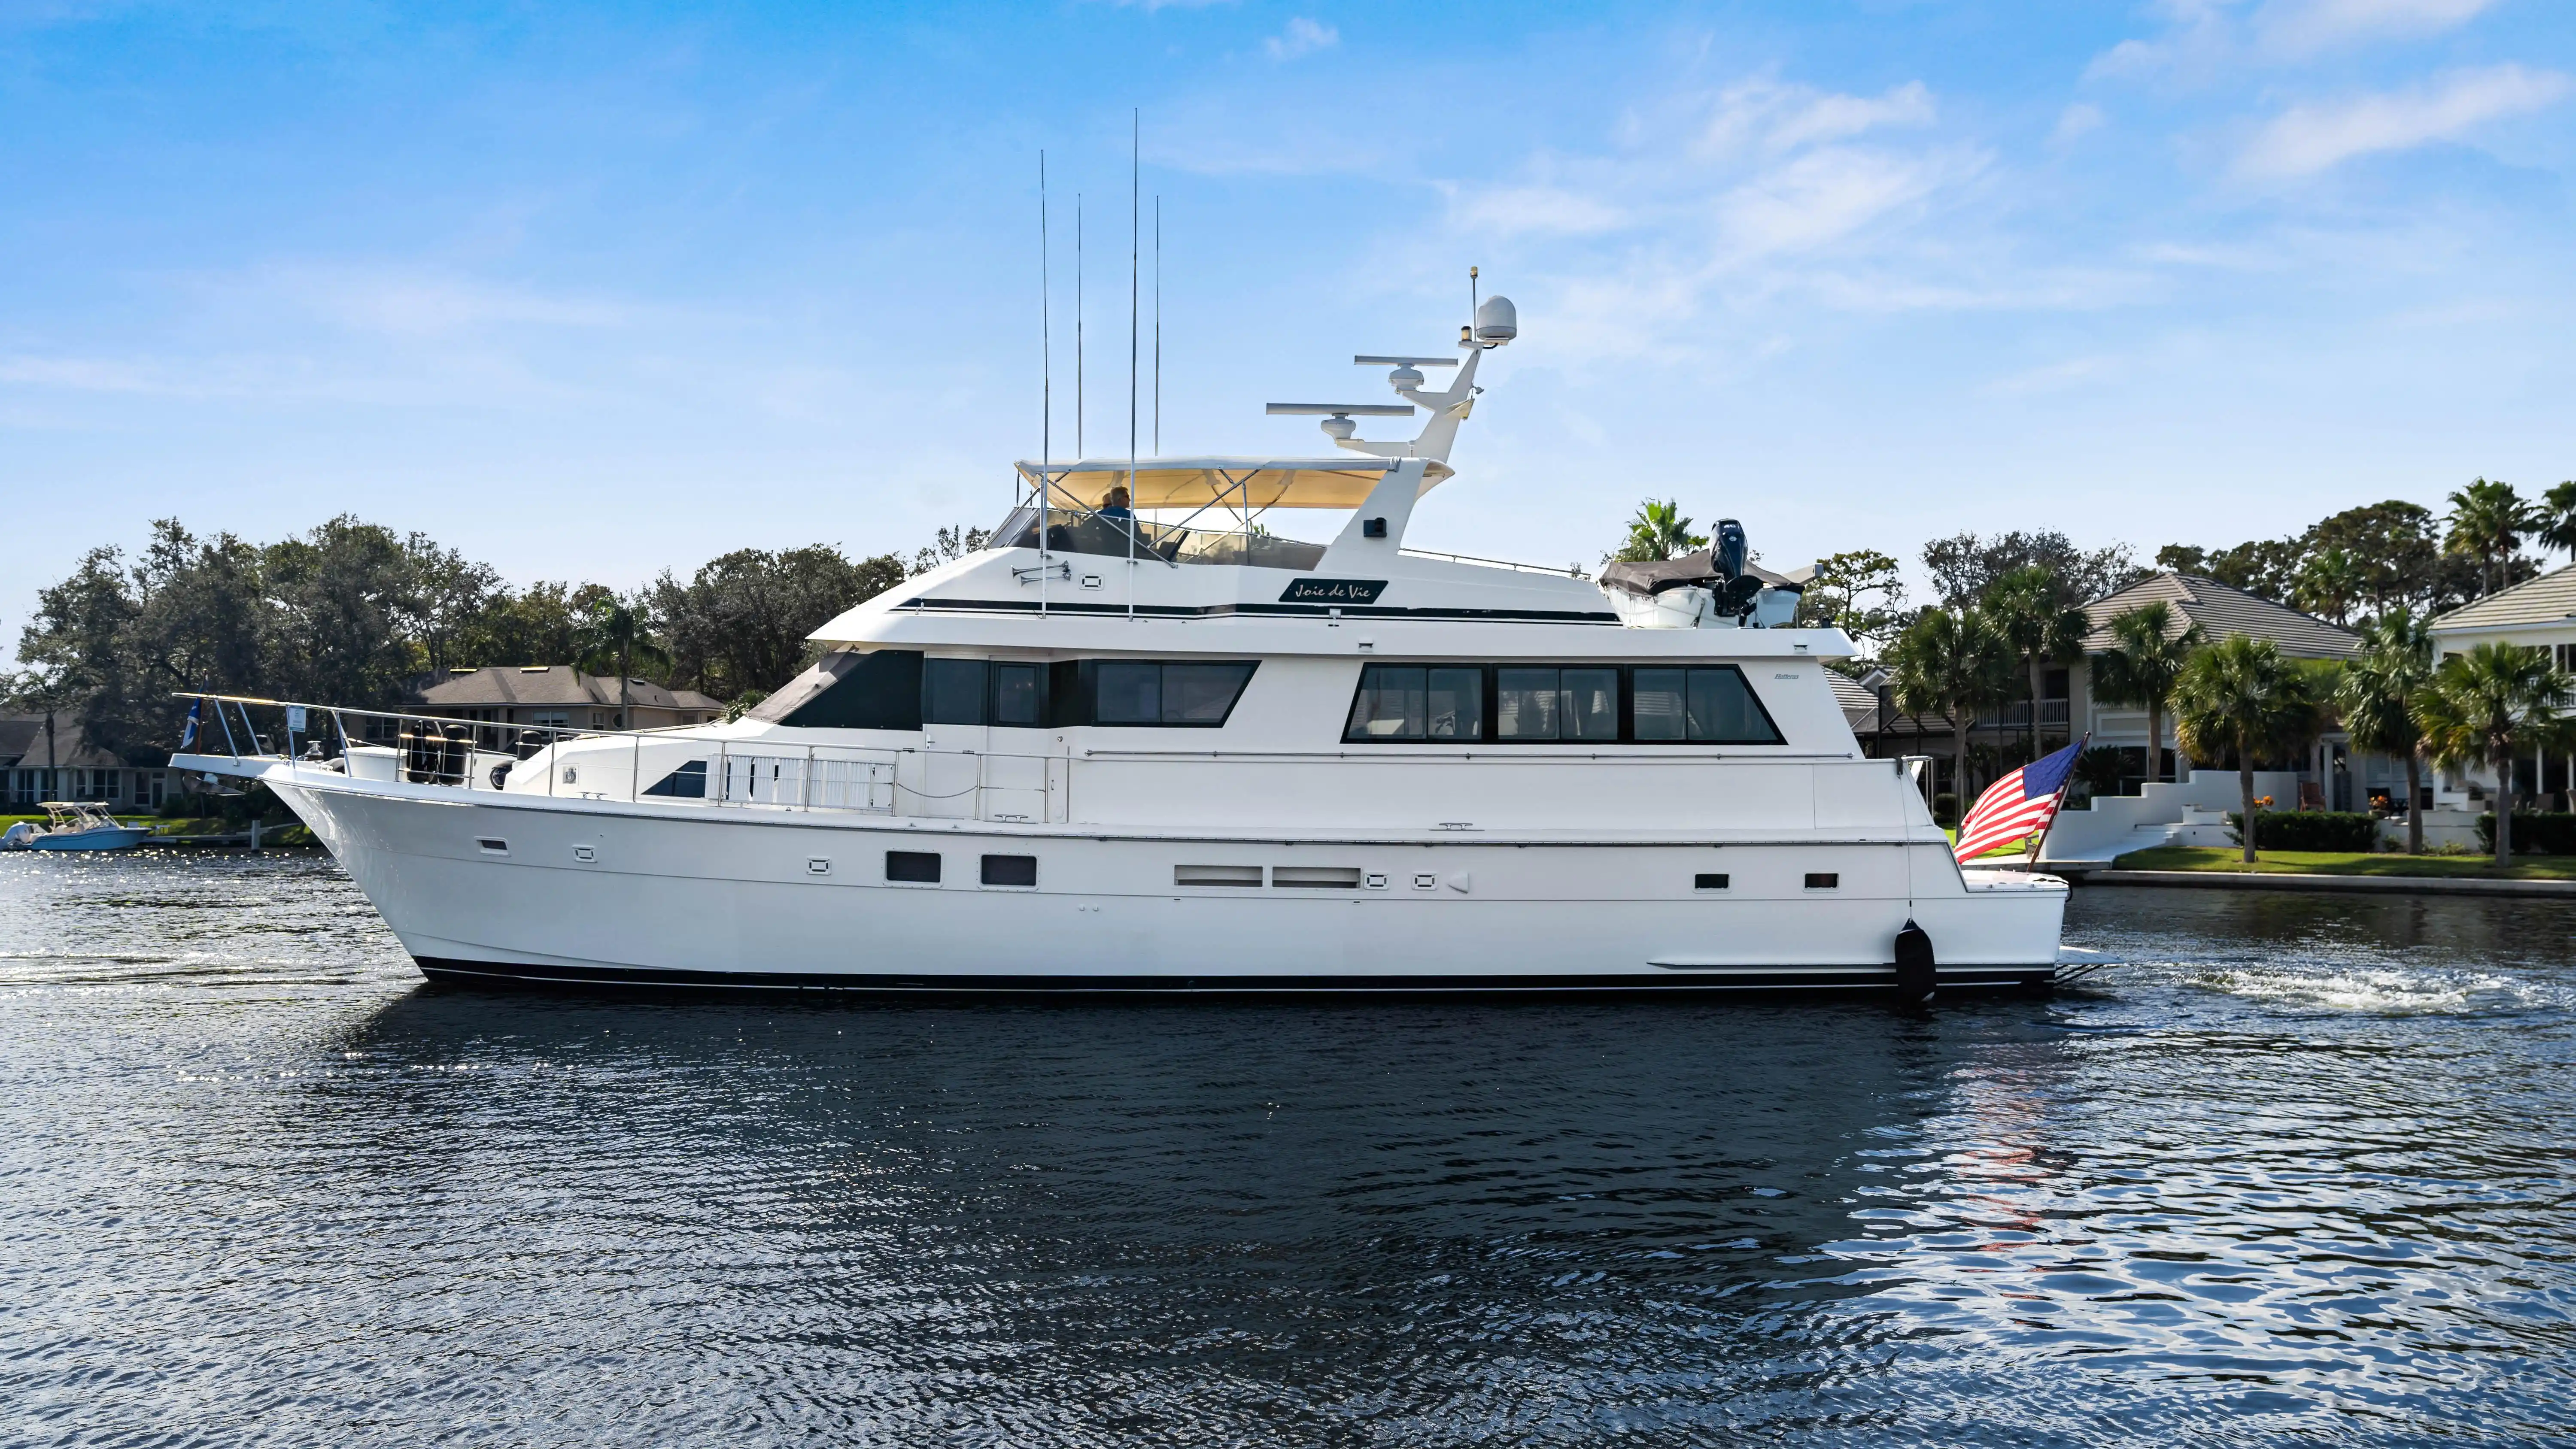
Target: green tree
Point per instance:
(2376, 699)
(1965, 567)
(616, 634)
(2330, 582)
(2490, 707)
(343, 614)
(2027, 611)
(2240, 697)
(1659, 531)
(1857, 592)
(740, 622)
(2150, 645)
(2487, 523)
(2557, 521)
(1951, 662)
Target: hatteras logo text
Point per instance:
(1333, 591)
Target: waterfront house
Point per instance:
(65, 765)
(558, 696)
(2539, 613)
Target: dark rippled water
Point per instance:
(2297, 1172)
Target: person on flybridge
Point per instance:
(1116, 505)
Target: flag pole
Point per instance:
(2059, 804)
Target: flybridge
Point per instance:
(1110, 491)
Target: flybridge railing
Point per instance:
(669, 766)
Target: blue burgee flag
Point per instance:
(188, 736)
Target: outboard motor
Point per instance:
(1730, 548)
(1734, 596)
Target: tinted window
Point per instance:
(1390, 704)
(952, 691)
(1454, 704)
(1658, 707)
(1201, 693)
(1130, 693)
(1722, 709)
(875, 691)
(687, 782)
(1590, 707)
(1011, 870)
(1525, 703)
(1144, 692)
(1017, 698)
(913, 865)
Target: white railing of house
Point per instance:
(2017, 715)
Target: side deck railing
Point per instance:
(680, 765)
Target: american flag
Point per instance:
(2021, 803)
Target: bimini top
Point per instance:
(1198, 482)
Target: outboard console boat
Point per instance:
(1142, 743)
(74, 825)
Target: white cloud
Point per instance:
(1762, 114)
(2311, 138)
(1302, 37)
(2075, 121)
(2301, 27)
(1823, 196)
(415, 302)
(1536, 210)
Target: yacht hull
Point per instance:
(610, 894)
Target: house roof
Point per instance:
(501, 686)
(22, 745)
(2548, 599)
(2220, 611)
(1859, 702)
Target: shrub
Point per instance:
(2345, 830)
(2534, 833)
(1945, 809)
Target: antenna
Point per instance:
(1158, 326)
(1135, 271)
(1077, 325)
(1471, 299)
(1046, 370)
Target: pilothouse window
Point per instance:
(1165, 694)
(1557, 704)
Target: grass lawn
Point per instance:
(2337, 862)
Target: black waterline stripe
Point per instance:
(1689, 981)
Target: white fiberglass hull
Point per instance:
(594, 892)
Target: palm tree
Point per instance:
(615, 635)
(1954, 664)
(2241, 697)
(2142, 666)
(2038, 629)
(2488, 521)
(1659, 531)
(2376, 697)
(2329, 584)
(2557, 521)
(2490, 707)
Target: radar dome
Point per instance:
(1497, 322)
(1339, 427)
(1404, 377)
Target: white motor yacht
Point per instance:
(1141, 743)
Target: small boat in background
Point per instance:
(76, 825)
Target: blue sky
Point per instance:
(594, 291)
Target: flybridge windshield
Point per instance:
(1107, 532)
